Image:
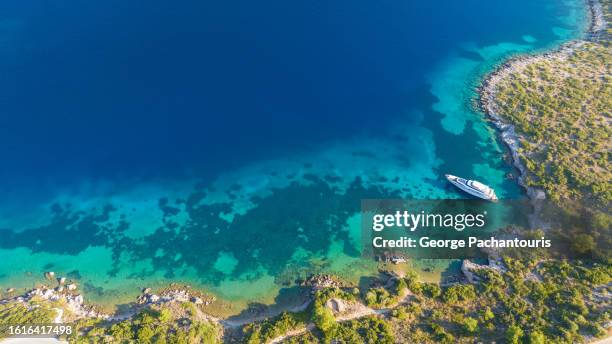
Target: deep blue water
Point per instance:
(114, 88)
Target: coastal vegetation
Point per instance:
(177, 323)
(33, 312)
(265, 331)
(560, 105)
(527, 301)
(530, 301)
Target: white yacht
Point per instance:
(473, 187)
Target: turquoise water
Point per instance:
(132, 163)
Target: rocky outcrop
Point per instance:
(391, 258)
(507, 131)
(172, 295)
(73, 301)
(598, 29)
(322, 281)
(67, 294)
(468, 269)
(336, 305)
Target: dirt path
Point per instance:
(247, 320)
(293, 333)
(361, 311)
(58, 317)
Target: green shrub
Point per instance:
(323, 319)
(470, 325)
(459, 292)
(378, 297)
(514, 334)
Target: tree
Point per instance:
(537, 337)
(470, 325)
(431, 289)
(459, 292)
(145, 333)
(583, 244)
(514, 334)
(165, 315)
(323, 319)
(487, 314)
(400, 287)
(601, 220)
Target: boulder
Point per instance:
(79, 299)
(48, 294)
(336, 305)
(466, 267)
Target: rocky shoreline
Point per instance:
(488, 88)
(72, 305)
(64, 292)
(68, 296)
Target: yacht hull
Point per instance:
(468, 187)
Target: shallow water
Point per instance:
(229, 145)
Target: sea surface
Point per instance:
(227, 144)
